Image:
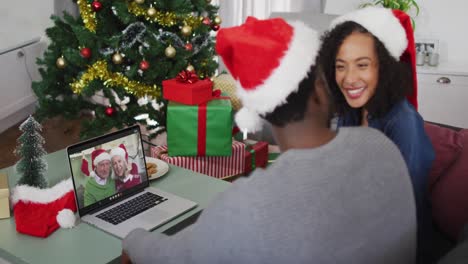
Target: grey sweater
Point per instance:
(349, 201)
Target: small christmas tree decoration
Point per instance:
(151, 11)
(109, 111)
(85, 53)
(32, 164)
(117, 58)
(190, 68)
(217, 20)
(188, 46)
(170, 52)
(186, 30)
(61, 63)
(139, 1)
(97, 6)
(206, 21)
(215, 27)
(144, 65)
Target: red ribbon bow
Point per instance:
(187, 77)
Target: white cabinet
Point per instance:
(443, 95)
(17, 70)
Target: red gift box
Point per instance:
(256, 155)
(244, 159)
(190, 93)
(216, 166)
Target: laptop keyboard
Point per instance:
(131, 208)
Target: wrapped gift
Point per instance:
(227, 85)
(218, 167)
(202, 130)
(256, 155)
(4, 197)
(187, 89)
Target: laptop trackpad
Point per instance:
(154, 215)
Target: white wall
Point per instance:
(444, 21)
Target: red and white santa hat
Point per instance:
(39, 212)
(394, 29)
(268, 58)
(120, 151)
(99, 155)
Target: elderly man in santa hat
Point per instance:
(124, 178)
(99, 185)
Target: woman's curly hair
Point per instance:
(395, 77)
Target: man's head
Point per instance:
(101, 163)
(272, 60)
(119, 159)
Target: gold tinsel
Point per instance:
(111, 79)
(166, 19)
(88, 15)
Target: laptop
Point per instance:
(116, 204)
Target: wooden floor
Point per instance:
(57, 132)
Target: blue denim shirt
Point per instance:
(405, 127)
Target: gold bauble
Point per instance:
(170, 52)
(151, 11)
(139, 1)
(190, 68)
(217, 20)
(61, 63)
(186, 30)
(117, 58)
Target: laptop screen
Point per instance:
(107, 169)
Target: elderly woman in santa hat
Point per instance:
(124, 179)
(368, 57)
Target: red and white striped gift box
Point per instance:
(218, 167)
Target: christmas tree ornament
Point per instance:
(215, 27)
(97, 6)
(188, 46)
(139, 1)
(190, 68)
(87, 15)
(217, 20)
(109, 111)
(206, 21)
(208, 1)
(151, 12)
(186, 30)
(99, 71)
(85, 53)
(117, 58)
(170, 52)
(61, 63)
(144, 65)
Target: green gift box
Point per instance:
(200, 130)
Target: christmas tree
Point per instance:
(30, 148)
(110, 61)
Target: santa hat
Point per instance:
(268, 58)
(120, 151)
(39, 212)
(394, 29)
(99, 155)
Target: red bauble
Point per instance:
(215, 27)
(206, 21)
(110, 111)
(97, 6)
(144, 65)
(85, 53)
(188, 46)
